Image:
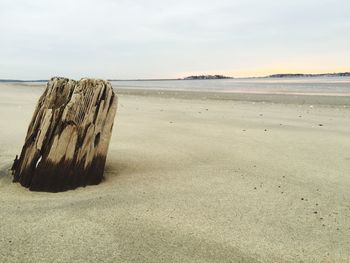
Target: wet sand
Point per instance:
(191, 178)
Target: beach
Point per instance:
(191, 177)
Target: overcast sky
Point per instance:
(164, 38)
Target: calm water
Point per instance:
(323, 86)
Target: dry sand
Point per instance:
(190, 180)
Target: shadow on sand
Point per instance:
(5, 170)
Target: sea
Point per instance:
(335, 86)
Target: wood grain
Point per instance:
(68, 137)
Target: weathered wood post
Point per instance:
(68, 137)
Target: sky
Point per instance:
(124, 39)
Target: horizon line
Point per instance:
(184, 78)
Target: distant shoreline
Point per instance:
(272, 97)
(21, 80)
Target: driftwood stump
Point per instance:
(68, 137)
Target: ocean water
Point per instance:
(310, 86)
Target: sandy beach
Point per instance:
(191, 177)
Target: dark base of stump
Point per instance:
(50, 177)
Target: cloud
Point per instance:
(131, 39)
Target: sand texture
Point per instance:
(190, 180)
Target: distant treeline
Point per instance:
(207, 77)
(342, 74)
